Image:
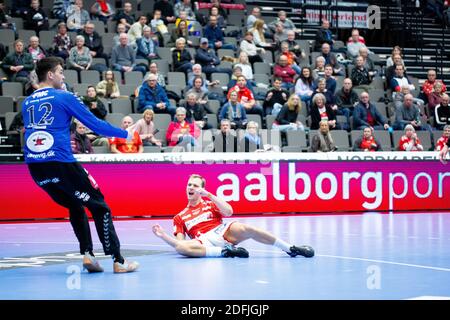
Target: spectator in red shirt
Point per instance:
(181, 132)
(246, 97)
(442, 141)
(121, 145)
(429, 85)
(210, 236)
(409, 141)
(284, 71)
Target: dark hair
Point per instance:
(277, 79)
(195, 78)
(308, 80)
(47, 64)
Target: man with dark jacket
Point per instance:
(208, 59)
(36, 19)
(93, 41)
(18, 64)
(346, 99)
(324, 35)
(367, 115)
(276, 97)
(152, 96)
(225, 140)
(167, 12)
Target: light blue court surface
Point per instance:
(369, 256)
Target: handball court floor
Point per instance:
(358, 256)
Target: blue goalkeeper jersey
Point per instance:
(47, 115)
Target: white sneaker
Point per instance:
(125, 266)
(91, 264)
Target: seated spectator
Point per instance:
(93, 41)
(62, 42)
(253, 16)
(121, 28)
(182, 59)
(442, 141)
(435, 97)
(18, 64)
(323, 35)
(36, 19)
(246, 67)
(399, 97)
(146, 129)
(77, 17)
(319, 68)
(94, 104)
(287, 23)
(330, 81)
(81, 59)
(19, 8)
(368, 62)
(304, 86)
(409, 141)
(354, 44)
(237, 72)
(287, 118)
(215, 36)
(330, 58)
(320, 112)
(428, 87)
(208, 59)
(276, 97)
(258, 35)
(249, 47)
(360, 75)
(147, 46)
(181, 31)
(181, 132)
(102, 10)
(323, 141)
(153, 96)
(294, 46)
(279, 35)
(196, 112)
(346, 99)
(121, 145)
(391, 71)
(330, 99)
(166, 8)
(36, 50)
(391, 60)
(234, 111)
(252, 139)
(125, 16)
(186, 6)
(154, 69)
(157, 24)
(137, 29)
(285, 72)
(367, 142)
(79, 140)
(201, 95)
(366, 114)
(123, 57)
(225, 140)
(293, 60)
(60, 8)
(216, 11)
(246, 97)
(442, 113)
(189, 24)
(400, 79)
(108, 88)
(196, 72)
(4, 22)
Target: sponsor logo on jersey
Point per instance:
(39, 94)
(40, 141)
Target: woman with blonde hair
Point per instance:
(287, 118)
(258, 34)
(246, 66)
(146, 129)
(323, 141)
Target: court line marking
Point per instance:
(256, 250)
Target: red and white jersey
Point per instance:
(405, 141)
(442, 141)
(195, 221)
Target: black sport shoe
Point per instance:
(231, 252)
(306, 251)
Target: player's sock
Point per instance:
(283, 245)
(118, 258)
(213, 252)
